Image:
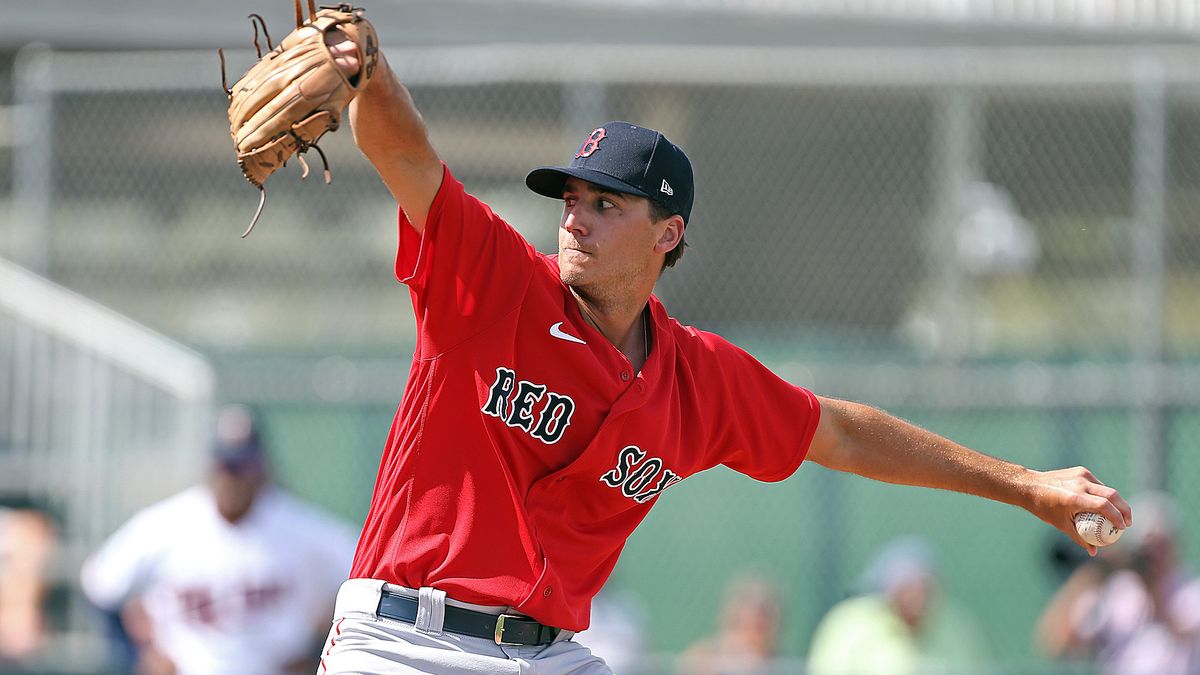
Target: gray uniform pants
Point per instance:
(363, 643)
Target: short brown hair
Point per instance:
(659, 213)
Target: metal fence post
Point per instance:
(1149, 233)
(585, 106)
(33, 159)
(957, 139)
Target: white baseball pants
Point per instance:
(363, 643)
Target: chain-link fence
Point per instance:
(1003, 245)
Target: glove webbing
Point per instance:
(256, 21)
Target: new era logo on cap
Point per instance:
(625, 158)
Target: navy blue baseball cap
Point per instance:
(625, 158)
(238, 445)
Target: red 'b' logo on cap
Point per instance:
(592, 143)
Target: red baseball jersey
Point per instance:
(526, 450)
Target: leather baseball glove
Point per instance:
(296, 92)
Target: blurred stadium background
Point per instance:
(983, 215)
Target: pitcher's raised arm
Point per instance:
(390, 132)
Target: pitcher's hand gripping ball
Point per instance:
(1096, 530)
(295, 93)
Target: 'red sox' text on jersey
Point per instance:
(525, 449)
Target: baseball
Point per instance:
(1096, 530)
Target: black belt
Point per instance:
(505, 629)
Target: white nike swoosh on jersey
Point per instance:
(556, 331)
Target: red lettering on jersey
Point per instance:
(592, 143)
(197, 604)
(261, 596)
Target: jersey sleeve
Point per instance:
(124, 563)
(466, 270)
(765, 423)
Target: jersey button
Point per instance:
(560, 479)
(624, 375)
(546, 593)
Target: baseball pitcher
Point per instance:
(552, 401)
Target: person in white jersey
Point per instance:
(234, 576)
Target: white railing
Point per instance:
(98, 414)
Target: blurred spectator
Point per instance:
(747, 635)
(1135, 610)
(618, 631)
(231, 577)
(900, 625)
(28, 540)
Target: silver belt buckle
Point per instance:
(500, 630)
